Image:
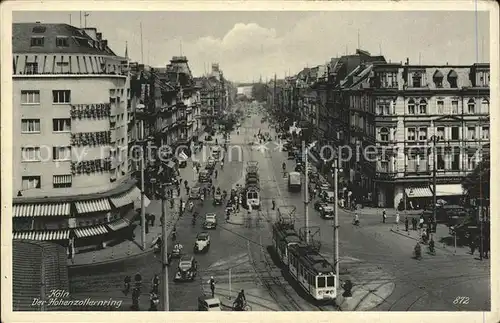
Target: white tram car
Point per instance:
(312, 271)
(282, 239)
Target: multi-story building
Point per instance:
(214, 96)
(421, 119)
(70, 176)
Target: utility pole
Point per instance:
(336, 218)
(142, 49)
(306, 194)
(274, 94)
(80, 19)
(85, 15)
(143, 207)
(434, 173)
(164, 261)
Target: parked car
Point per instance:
(318, 205)
(210, 221)
(187, 269)
(202, 243)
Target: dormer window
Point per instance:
(417, 79)
(452, 79)
(37, 41)
(62, 41)
(438, 79)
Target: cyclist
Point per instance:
(240, 301)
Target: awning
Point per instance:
(126, 198)
(42, 235)
(118, 224)
(418, 192)
(93, 206)
(137, 202)
(91, 231)
(45, 209)
(449, 190)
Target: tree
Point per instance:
(477, 183)
(259, 92)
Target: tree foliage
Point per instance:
(477, 183)
(259, 92)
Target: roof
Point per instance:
(79, 42)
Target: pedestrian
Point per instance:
(421, 222)
(407, 223)
(212, 285)
(171, 203)
(384, 216)
(486, 247)
(178, 191)
(153, 218)
(187, 190)
(472, 244)
(215, 173)
(397, 221)
(153, 301)
(274, 204)
(186, 184)
(135, 299)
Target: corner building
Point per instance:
(71, 180)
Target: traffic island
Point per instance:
(365, 297)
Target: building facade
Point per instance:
(70, 136)
(401, 122)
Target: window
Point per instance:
(485, 106)
(440, 107)
(62, 42)
(422, 134)
(439, 82)
(417, 79)
(30, 97)
(384, 164)
(330, 281)
(455, 160)
(384, 134)
(62, 181)
(471, 106)
(454, 107)
(411, 107)
(485, 134)
(37, 41)
(61, 96)
(61, 153)
(61, 125)
(30, 182)
(31, 68)
(30, 125)
(384, 109)
(411, 134)
(321, 282)
(454, 133)
(422, 107)
(471, 161)
(440, 133)
(471, 133)
(452, 79)
(30, 154)
(440, 161)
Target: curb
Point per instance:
(410, 237)
(106, 262)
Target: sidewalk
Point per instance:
(129, 248)
(443, 240)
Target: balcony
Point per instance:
(383, 176)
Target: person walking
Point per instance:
(212, 285)
(397, 221)
(421, 222)
(274, 204)
(384, 216)
(153, 218)
(472, 244)
(215, 173)
(414, 223)
(154, 300)
(407, 223)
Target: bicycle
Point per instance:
(245, 307)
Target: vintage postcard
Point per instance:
(249, 156)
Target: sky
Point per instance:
(252, 45)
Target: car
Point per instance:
(327, 211)
(318, 205)
(187, 269)
(210, 221)
(202, 243)
(322, 186)
(204, 176)
(218, 198)
(328, 196)
(206, 303)
(195, 193)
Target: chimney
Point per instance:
(99, 36)
(407, 61)
(104, 43)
